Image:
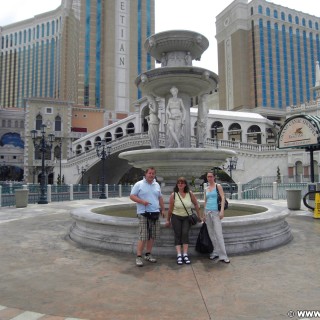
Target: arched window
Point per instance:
(268, 12)
(79, 149)
(97, 140)
(119, 133)
(108, 137)
(88, 145)
(38, 122)
(260, 10)
(57, 123)
(283, 16)
(254, 134)
(275, 14)
(216, 128)
(130, 128)
(235, 132)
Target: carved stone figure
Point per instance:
(153, 122)
(175, 119)
(164, 59)
(188, 59)
(202, 121)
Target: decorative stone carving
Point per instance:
(164, 59)
(175, 119)
(153, 122)
(188, 59)
(202, 121)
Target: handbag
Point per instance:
(204, 243)
(193, 217)
(226, 203)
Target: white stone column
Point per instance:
(71, 192)
(90, 191)
(49, 192)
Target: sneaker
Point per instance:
(150, 258)
(213, 256)
(139, 262)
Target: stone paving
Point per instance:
(43, 275)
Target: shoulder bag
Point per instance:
(226, 204)
(193, 217)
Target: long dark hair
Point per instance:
(186, 187)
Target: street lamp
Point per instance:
(42, 146)
(215, 135)
(103, 151)
(82, 170)
(60, 146)
(3, 169)
(232, 165)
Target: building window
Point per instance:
(108, 137)
(119, 133)
(57, 123)
(38, 122)
(130, 128)
(268, 12)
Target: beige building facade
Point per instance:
(85, 51)
(278, 48)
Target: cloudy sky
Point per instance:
(199, 15)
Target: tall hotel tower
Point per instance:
(85, 51)
(267, 57)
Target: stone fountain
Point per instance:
(177, 81)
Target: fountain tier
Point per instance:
(172, 163)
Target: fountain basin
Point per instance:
(175, 162)
(176, 40)
(243, 234)
(191, 80)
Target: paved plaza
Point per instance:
(43, 275)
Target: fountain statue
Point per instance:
(177, 81)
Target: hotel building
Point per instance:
(267, 57)
(86, 51)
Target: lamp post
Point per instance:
(82, 170)
(3, 170)
(103, 151)
(215, 135)
(60, 146)
(232, 165)
(43, 145)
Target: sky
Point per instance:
(195, 15)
